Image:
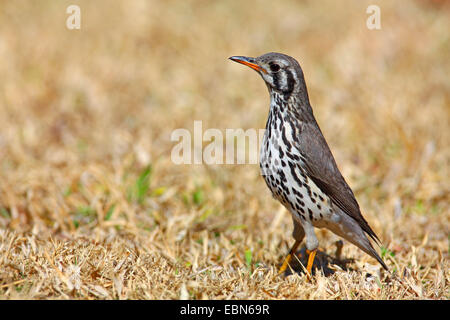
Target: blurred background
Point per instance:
(86, 115)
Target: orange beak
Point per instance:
(249, 62)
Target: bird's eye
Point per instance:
(274, 67)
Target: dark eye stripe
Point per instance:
(290, 82)
(290, 85)
(276, 81)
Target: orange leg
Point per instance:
(312, 255)
(289, 257)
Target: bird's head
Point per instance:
(281, 73)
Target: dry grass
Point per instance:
(92, 207)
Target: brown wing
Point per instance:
(322, 169)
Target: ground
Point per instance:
(93, 207)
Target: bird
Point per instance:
(298, 166)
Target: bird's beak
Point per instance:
(249, 62)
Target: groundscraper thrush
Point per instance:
(298, 166)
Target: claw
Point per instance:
(288, 258)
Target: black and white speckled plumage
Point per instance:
(297, 164)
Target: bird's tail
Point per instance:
(350, 230)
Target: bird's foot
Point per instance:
(284, 265)
(339, 245)
(288, 258)
(312, 255)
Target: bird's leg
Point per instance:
(311, 246)
(339, 245)
(289, 257)
(312, 255)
